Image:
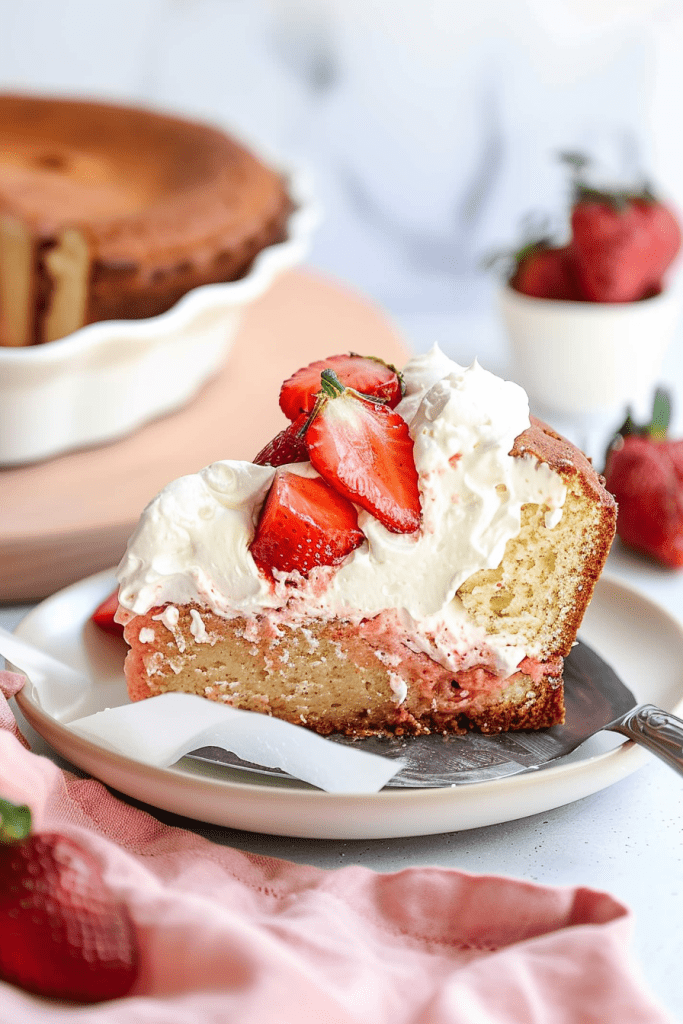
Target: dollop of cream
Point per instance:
(192, 542)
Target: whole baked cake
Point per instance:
(110, 212)
(412, 554)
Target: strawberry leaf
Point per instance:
(15, 822)
(578, 162)
(661, 415)
(656, 430)
(658, 426)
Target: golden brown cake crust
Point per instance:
(163, 204)
(545, 582)
(541, 441)
(583, 482)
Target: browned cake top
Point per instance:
(548, 446)
(142, 186)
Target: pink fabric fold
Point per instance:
(232, 937)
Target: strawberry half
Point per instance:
(366, 374)
(286, 447)
(303, 523)
(103, 616)
(644, 471)
(63, 933)
(365, 451)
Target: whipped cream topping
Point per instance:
(192, 542)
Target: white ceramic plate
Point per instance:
(69, 393)
(640, 640)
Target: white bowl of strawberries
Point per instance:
(589, 322)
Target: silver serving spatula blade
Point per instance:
(595, 699)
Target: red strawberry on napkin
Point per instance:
(644, 471)
(367, 374)
(364, 450)
(63, 933)
(304, 523)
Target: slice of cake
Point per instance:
(113, 213)
(412, 554)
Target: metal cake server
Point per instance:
(595, 699)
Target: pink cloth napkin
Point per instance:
(232, 938)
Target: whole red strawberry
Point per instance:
(63, 933)
(644, 471)
(623, 244)
(367, 374)
(364, 450)
(545, 272)
(303, 523)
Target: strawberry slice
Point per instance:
(286, 447)
(103, 616)
(366, 374)
(365, 451)
(303, 523)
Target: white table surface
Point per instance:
(626, 840)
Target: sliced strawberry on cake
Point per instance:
(286, 447)
(365, 451)
(304, 523)
(367, 374)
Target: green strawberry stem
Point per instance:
(577, 162)
(538, 235)
(619, 199)
(330, 384)
(332, 387)
(15, 822)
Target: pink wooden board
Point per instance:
(68, 517)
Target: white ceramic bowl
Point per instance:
(580, 358)
(108, 378)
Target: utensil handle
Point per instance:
(659, 731)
